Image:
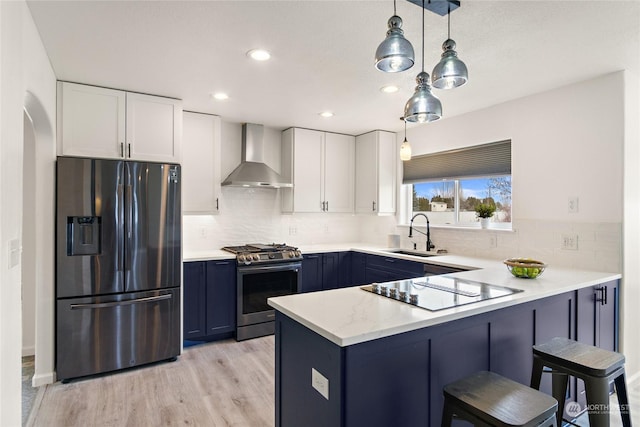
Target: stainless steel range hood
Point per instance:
(252, 171)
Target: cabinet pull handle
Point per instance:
(602, 299)
(129, 147)
(327, 206)
(217, 204)
(122, 149)
(373, 204)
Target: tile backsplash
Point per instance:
(253, 215)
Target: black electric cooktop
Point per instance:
(435, 293)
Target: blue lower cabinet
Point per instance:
(358, 269)
(322, 271)
(221, 297)
(209, 294)
(194, 306)
(311, 273)
(398, 380)
(385, 269)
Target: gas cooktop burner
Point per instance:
(258, 253)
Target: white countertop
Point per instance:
(350, 316)
(208, 255)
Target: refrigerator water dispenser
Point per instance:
(83, 235)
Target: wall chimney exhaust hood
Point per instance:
(252, 171)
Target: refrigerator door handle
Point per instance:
(129, 207)
(120, 303)
(120, 236)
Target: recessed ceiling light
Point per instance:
(326, 114)
(389, 89)
(259, 54)
(220, 96)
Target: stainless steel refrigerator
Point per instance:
(118, 265)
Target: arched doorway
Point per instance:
(39, 157)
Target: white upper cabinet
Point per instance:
(109, 123)
(376, 160)
(154, 128)
(200, 163)
(321, 167)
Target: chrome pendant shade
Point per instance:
(423, 106)
(395, 53)
(450, 72)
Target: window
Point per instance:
(450, 185)
(453, 201)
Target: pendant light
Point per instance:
(405, 148)
(423, 106)
(395, 53)
(450, 72)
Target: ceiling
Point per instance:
(322, 53)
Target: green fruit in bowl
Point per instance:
(533, 272)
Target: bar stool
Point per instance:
(488, 399)
(593, 365)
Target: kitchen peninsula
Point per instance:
(353, 358)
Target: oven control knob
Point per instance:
(256, 257)
(297, 252)
(241, 258)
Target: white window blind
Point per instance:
(480, 160)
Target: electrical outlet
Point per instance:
(493, 241)
(570, 242)
(320, 383)
(292, 231)
(326, 229)
(573, 205)
(203, 232)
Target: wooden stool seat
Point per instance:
(593, 365)
(488, 399)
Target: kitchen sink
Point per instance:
(423, 254)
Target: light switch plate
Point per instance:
(320, 383)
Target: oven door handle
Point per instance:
(270, 268)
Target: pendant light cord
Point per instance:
(448, 20)
(423, 35)
(394, 8)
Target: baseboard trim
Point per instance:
(28, 351)
(43, 379)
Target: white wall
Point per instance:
(579, 141)
(630, 294)
(566, 143)
(26, 81)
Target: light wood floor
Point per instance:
(224, 383)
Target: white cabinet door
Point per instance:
(339, 152)
(308, 155)
(200, 163)
(387, 163)
(90, 121)
(108, 123)
(376, 159)
(366, 173)
(153, 128)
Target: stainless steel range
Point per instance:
(263, 271)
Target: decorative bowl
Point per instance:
(525, 268)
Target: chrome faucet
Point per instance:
(430, 244)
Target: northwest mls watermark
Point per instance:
(574, 408)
